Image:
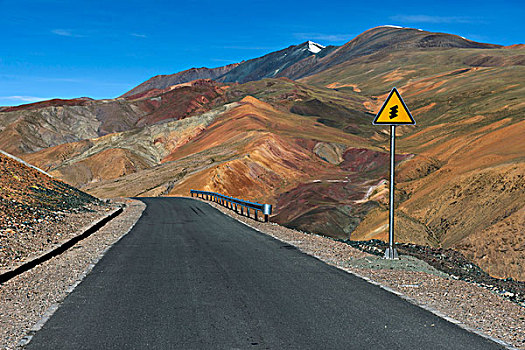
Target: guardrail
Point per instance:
(235, 204)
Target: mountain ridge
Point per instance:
(301, 65)
(377, 39)
(266, 66)
(165, 81)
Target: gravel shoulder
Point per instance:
(472, 306)
(35, 293)
(26, 245)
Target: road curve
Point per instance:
(189, 277)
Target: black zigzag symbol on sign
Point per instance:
(393, 112)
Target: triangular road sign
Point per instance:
(394, 111)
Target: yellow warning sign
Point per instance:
(394, 111)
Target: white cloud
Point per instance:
(434, 19)
(324, 37)
(20, 100)
(240, 47)
(137, 35)
(24, 98)
(66, 32)
(62, 32)
(222, 60)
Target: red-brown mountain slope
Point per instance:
(463, 189)
(30, 128)
(161, 82)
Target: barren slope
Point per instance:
(161, 82)
(380, 41)
(118, 154)
(269, 153)
(31, 205)
(464, 186)
(33, 127)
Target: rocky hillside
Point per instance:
(165, 81)
(379, 42)
(32, 207)
(308, 58)
(124, 157)
(33, 127)
(272, 64)
(309, 147)
(462, 186)
(267, 66)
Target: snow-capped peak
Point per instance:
(392, 26)
(314, 47)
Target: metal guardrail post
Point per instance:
(267, 210)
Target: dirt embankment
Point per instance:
(37, 212)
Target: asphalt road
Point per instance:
(189, 277)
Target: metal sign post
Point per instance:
(393, 112)
(391, 252)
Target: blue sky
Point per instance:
(101, 49)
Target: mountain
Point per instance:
(270, 65)
(298, 61)
(30, 128)
(461, 186)
(267, 66)
(161, 82)
(89, 163)
(308, 145)
(380, 41)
